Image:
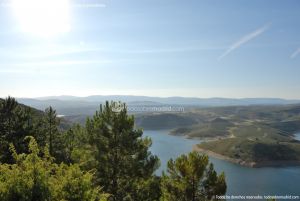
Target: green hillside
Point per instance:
(256, 143)
(260, 135)
(215, 128)
(164, 121)
(38, 114)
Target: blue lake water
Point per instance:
(240, 180)
(297, 136)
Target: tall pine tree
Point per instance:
(52, 135)
(123, 160)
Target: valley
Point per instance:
(254, 136)
(249, 135)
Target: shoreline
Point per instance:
(201, 139)
(240, 162)
(245, 163)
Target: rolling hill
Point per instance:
(71, 105)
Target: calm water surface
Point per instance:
(297, 136)
(240, 180)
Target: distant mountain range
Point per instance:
(72, 105)
(174, 100)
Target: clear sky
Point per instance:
(195, 48)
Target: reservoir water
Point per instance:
(240, 180)
(297, 136)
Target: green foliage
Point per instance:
(148, 190)
(108, 152)
(77, 148)
(122, 156)
(37, 178)
(191, 178)
(15, 124)
(52, 135)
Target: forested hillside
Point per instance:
(106, 159)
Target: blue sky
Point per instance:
(194, 48)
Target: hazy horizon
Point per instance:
(151, 95)
(129, 95)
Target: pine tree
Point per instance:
(52, 126)
(15, 124)
(191, 178)
(52, 135)
(123, 161)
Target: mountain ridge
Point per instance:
(172, 100)
(72, 105)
